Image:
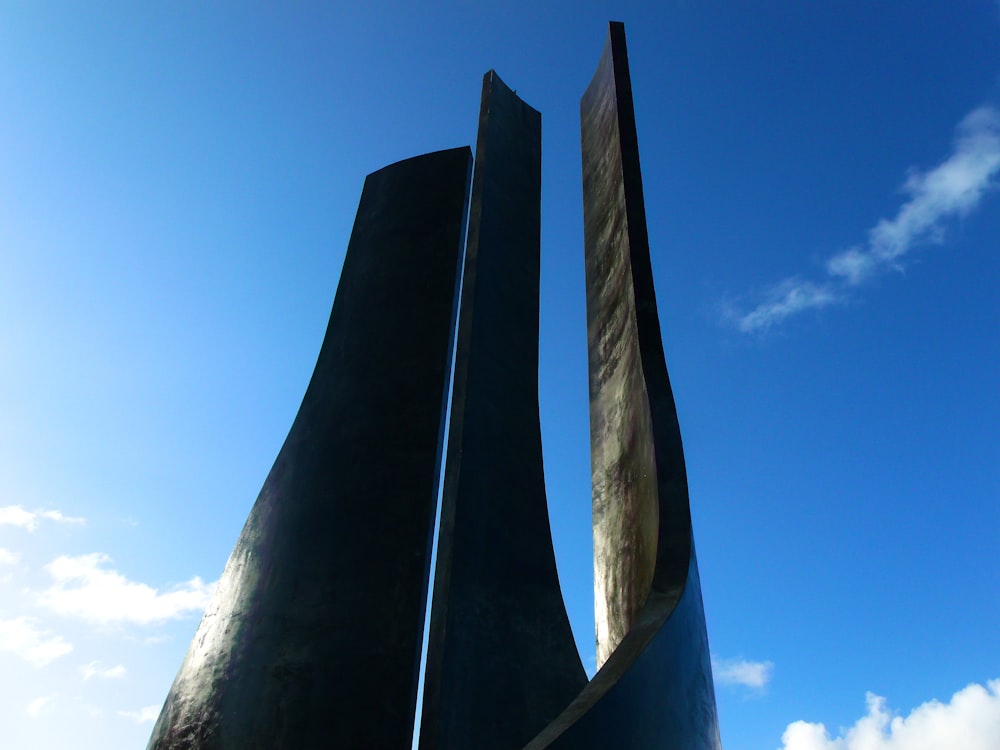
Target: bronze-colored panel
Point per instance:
(654, 690)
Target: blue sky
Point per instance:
(177, 188)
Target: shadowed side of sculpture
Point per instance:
(654, 690)
(501, 660)
(313, 637)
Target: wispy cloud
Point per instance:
(8, 558)
(951, 189)
(85, 588)
(95, 669)
(784, 299)
(23, 637)
(143, 715)
(971, 721)
(15, 515)
(751, 674)
(37, 706)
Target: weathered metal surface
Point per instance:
(313, 637)
(501, 658)
(654, 690)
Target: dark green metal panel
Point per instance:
(313, 637)
(501, 659)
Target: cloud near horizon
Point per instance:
(15, 515)
(951, 189)
(23, 637)
(970, 721)
(146, 715)
(83, 587)
(94, 669)
(38, 706)
(751, 674)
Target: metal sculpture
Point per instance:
(501, 660)
(654, 690)
(313, 636)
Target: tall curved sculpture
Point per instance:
(501, 659)
(312, 639)
(654, 690)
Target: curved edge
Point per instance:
(615, 702)
(654, 689)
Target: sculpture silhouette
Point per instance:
(313, 637)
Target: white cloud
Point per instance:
(751, 674)
(85, 589)
(951, 189)
(143, 715)
(853, 265)
(37, 706)
(94, 669)
(8, 558)
(23, 637)
(971, 721)
(787, 298)
(15, 515)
